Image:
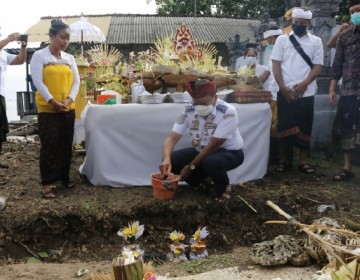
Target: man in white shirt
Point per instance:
(297, 86)
(217, 145)
(5, 60)
(269, 83)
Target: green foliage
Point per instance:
(234, 8)
(74, 49)
(33, 260)
(231, 8)
(343, 15)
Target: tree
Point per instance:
(343, 14)
(230, 8)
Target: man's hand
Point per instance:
(332, 97)
(165, 167)
(13, 37)
(287, 93)
(343, 27)
(298, 90)
(185, 173)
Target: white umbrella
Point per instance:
(83, 31)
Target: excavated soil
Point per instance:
(80, 225)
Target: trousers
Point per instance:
(214, 165)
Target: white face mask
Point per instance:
(204, 110)
(250, 60)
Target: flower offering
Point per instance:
(197, 244)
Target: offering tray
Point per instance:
(259, 96)
(179, 80)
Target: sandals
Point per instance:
(68, 185)
(282, 167)
(48, 194)
(345, 175)
(229, 194)
(306, 169)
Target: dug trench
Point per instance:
(82, 223)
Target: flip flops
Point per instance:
(282, 167)
(229, 194)
(345, 175)
(306, 169)
(48, 194)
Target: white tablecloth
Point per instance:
(124, 142)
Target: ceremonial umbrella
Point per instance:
(83, 31)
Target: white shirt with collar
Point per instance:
(271, 84)
(44, 57)
(5, 60)
(221, 123)
(293, 67)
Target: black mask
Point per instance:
(299, 29)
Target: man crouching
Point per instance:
(217, 145)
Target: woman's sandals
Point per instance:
(68, 185)
(48, 194)
(345, 175)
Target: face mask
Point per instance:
(250, 60)
(355, 18)
(270, 47)
(299, 29)
(204, 110)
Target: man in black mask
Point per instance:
(297, 61)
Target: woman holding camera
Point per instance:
(56, 77)
(5, 60)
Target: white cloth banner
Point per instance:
(124, 142)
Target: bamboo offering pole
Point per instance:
(327, 246)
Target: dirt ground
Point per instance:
(77, 230)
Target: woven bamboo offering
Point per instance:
(342, 254)
(165, 69)
(171, 79)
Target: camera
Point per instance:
(23, 38)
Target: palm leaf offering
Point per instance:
(164, 53)
(173, 60)
(104, 58)
(204, 57)
(117, 86)
(103, 55)
(183, 52)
